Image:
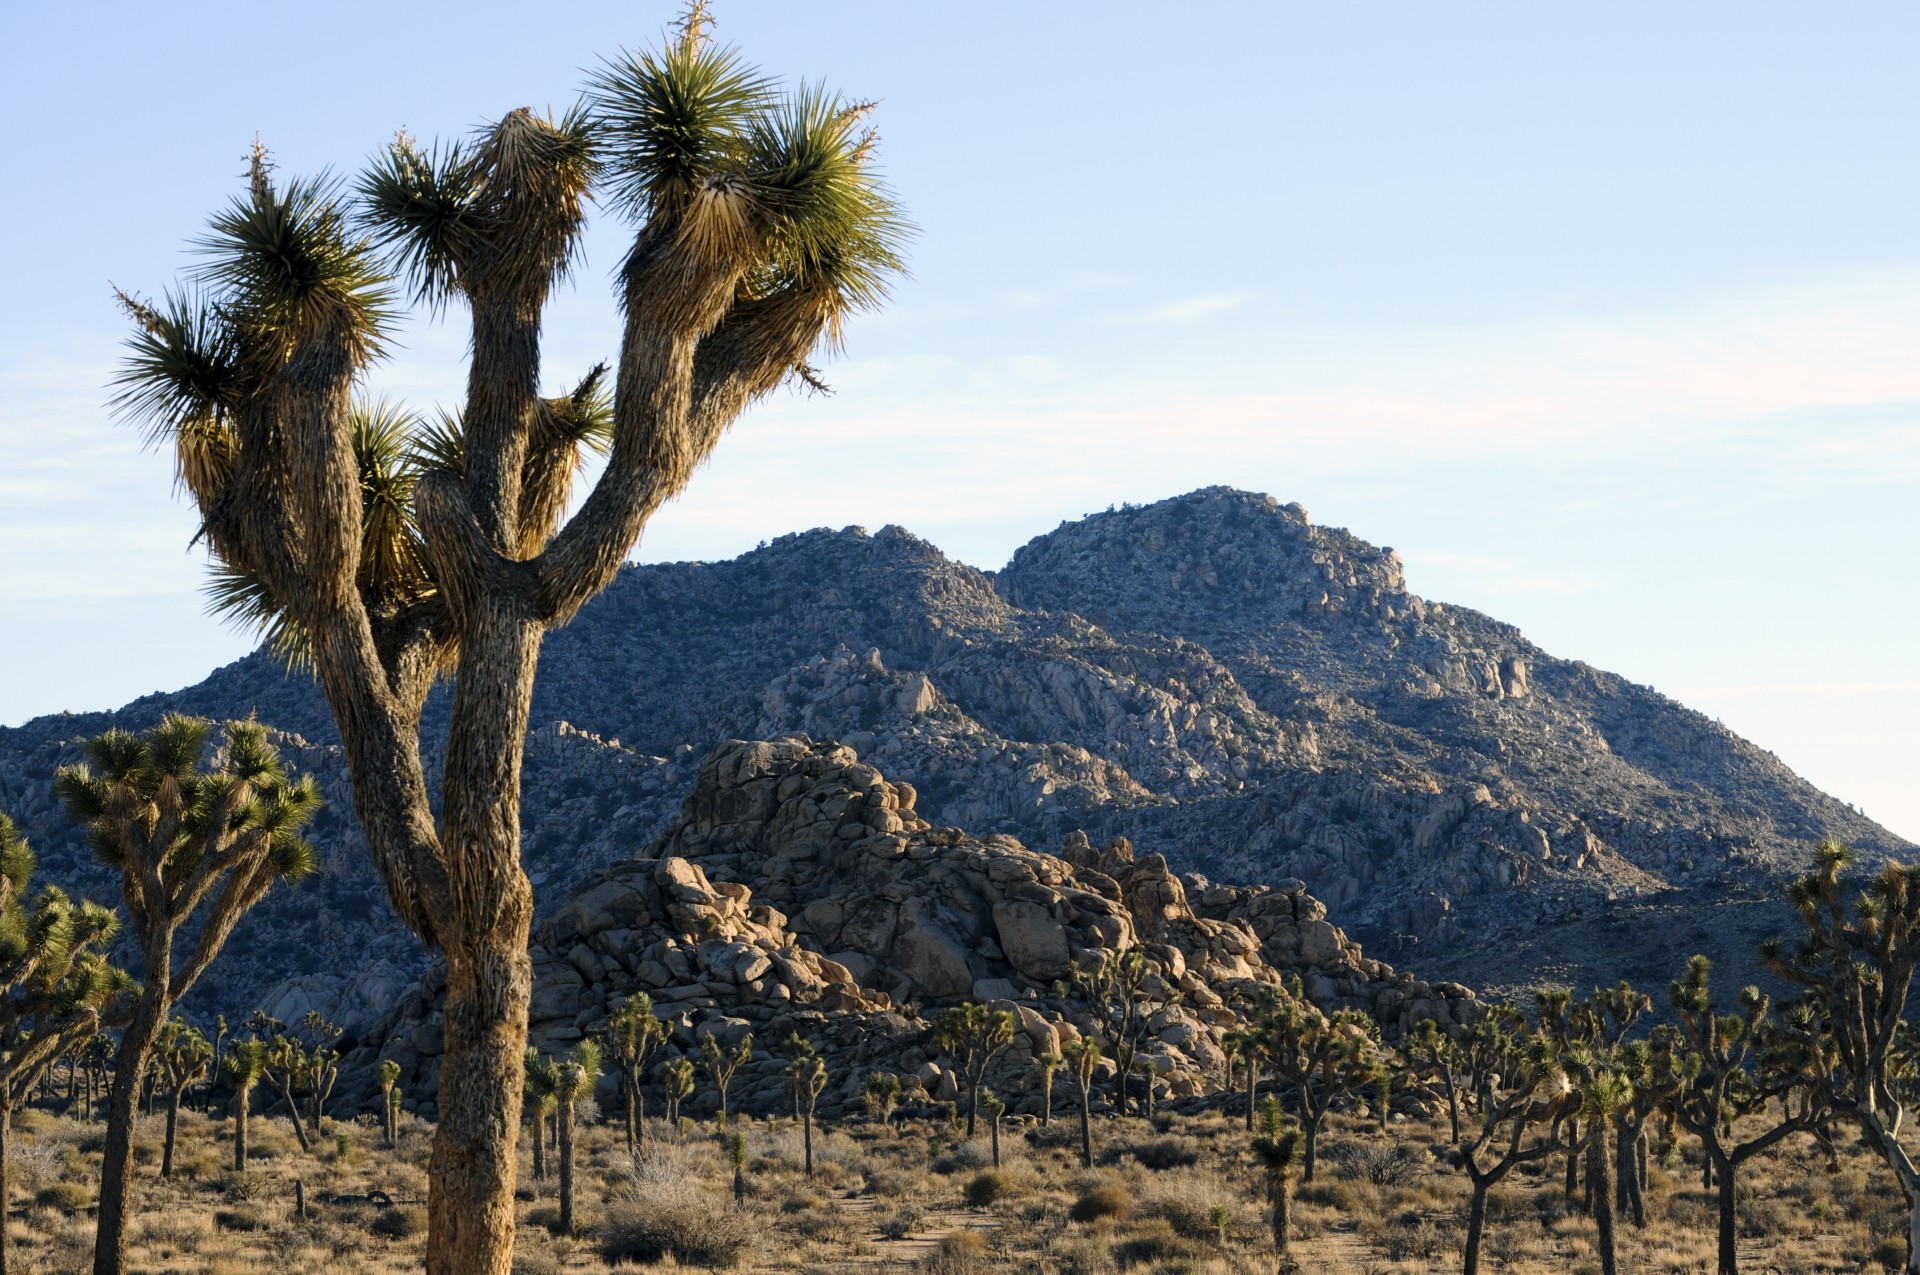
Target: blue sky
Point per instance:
(1606, 318)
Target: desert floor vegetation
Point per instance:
(1182, 1192)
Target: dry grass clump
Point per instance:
(1102, 1203)
(690, 1226)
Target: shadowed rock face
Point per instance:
(800, 890)
(1213, 677)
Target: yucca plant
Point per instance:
(991, 1104)
(56, 987)
(807, 1074)
(1046, 1062)
(737, 1157)
(192, 841)
(386, 551)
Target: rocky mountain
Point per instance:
(801, 891)
(1213, 677)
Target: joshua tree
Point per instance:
(737, 1157)
(797, 1051)
(721, 1063)
(1083, 1061)
(189, 842)
(807, 1073)
(323, 1062)
(288, 1069)
(1432, 1052)
(972, 1034)
(1278, 1150)
(573, 1080)
(881, 1091)
(1046, 1062)
(995, 1109)
(540, 1082)
(389, 1076)
(183, 1056)
(1731, 1066)
(56, 987)
(240, 1071)
(1857, 966)
(1247, 1046)
(677, 1084)
(1601, 1100)
(1123, 992)
(631, 1034)
(1319, 1057)
(387, 561)
(1522, 1116)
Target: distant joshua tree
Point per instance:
(1083, 1063)
(722, 1062)
(56, 988)
(991, 1104)
(1046, 1062)
(1278, 1150)
(881, 1091)
(632, 1032)
(676, 1081)
(574, 1078)
(240, 1071)
(737, 1157)
(183, 1056)
(389, 1076)
(972, 1034)
(1319, 1057)
(189, 841)
(540, 1082)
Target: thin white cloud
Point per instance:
(1194, 309)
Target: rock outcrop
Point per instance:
(1252, 695)
(802, 891)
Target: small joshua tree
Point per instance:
(1278, 1151)
(677, 1083)
(288, 1069)
(389, 1076)
(1319, 1057)
(972, 1034)
(189, 841)
(881, 1091)
(797, 1051)
(722, 1062)
(573, 1080)
(56, 987)
(240, 1071)
(183, 1056)
(990, 1102)
(1432, 1053)
(539, 1084)
(808, 1076)
(1601, 1100)
(322, 1047)
(1123, 993)
(1046, 1062)
(1083, 1062)
(632, 1032)
(737, 1157)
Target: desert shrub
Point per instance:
(1150, 1244)
(546, 1217)
(900, 1223)
(1185, 1205)
(33, 1165)
(241, 1219)
(963, 1158)
(1101, 1202)
(242, 1186)
(827, 1225)
(1412, 1240)
(983, 1189)
(800, 1202)
(1160, 1154)
(537, 1263)
(1382, 1163)
(173, 1231)
(68, 1197)
(692, 1228)
(399, 1222)
(1079, 1255)
(962, 1253)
